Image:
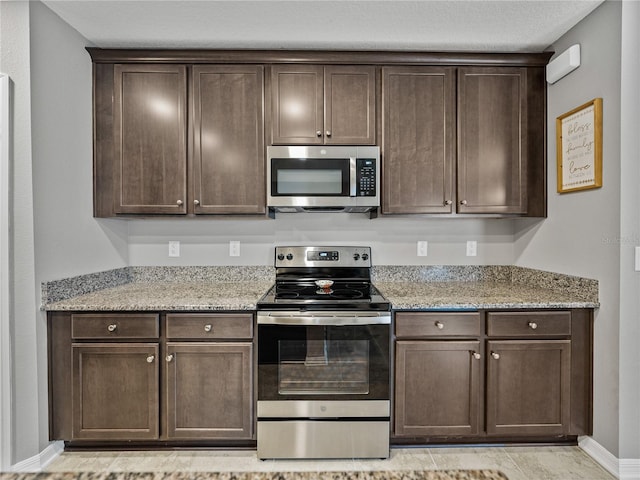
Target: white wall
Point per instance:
(54, 234)
(581, 235)
(14, 61)
(68, 240)
(393, 240)
(630, 236)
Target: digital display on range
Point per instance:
(329, 256)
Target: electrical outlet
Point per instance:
(174, 248)
(234, 248)
(637, 266)
(472, 248)
(422, 248)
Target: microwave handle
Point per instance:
(352, 177)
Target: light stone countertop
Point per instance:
(240, 288)
(164, 296)
(476, 295)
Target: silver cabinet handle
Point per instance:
(169, 357)
(208, 327)
(318, 133)
(463, 202)
(532, 325)
(112, 327)
(440, 325)
(151, 358)
(448, 202)
(196, 202)
(477, 356)
(495, 355)
(328, 133)
(179, 203)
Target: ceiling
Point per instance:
(431, 25)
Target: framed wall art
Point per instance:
(579, 147)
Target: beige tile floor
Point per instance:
(518, 463)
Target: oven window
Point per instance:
(309, 182)
(323, 366)
(313, 362)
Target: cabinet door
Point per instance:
(297, 110)
(350, 105)
(150, 173)
(418, 137)
(208, 390)
(437, 388)
(492, 140)
(228, 133)
(528, 387)
(115, 391)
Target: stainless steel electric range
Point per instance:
(323, 357)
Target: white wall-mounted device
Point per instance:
(563, 64)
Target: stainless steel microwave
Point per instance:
(323, 178)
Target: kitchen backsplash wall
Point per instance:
(393, 240)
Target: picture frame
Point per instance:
(579, 147)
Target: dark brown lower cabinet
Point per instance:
(208, 390)
(437, 387)
(493, 375)
(115, 391)
(110, 383)
(528, 387)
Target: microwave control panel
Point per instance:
(366, 177)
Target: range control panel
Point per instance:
(323, 256)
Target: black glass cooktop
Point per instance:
(347, 294)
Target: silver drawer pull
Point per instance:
(169, 357)
(112, 327)
(440, 325)
(533, 325)
(151, 358)
(208, 327)
(477, 356)
(495, 355)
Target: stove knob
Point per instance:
(365, 256)
(289, 256)
(356, 256)
(280, 256)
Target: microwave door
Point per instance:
(311, 177)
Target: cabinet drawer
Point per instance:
(104, 326)
(528, 324)
(207, 326)
(437, 324)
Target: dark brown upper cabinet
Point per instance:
(163, 148)
(315, 105)
(474, 148)
(150, 104)
(182, 132)
(492, 140)
(228, 140)
(418, 139)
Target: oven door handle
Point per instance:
(337, 319)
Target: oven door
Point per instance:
(309, 356)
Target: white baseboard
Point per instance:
(601, 455)
(630, 469)
(41, 460)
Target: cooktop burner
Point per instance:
(310, 291)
